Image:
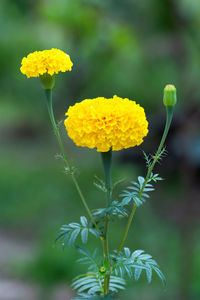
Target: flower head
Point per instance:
(46, 61)
(102, 123)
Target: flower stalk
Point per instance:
(48, 93)
(169, 115)
(107, 162)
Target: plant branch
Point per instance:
(48, 93)
(169, 112)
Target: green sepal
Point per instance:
(47, 81)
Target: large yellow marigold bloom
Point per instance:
(46, 61)
(102, 123)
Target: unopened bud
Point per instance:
(47, 81)
(102, 270)
(169, 98)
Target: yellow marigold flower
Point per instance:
(102, 123)
(46, 61)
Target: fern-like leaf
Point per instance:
(70, 232)
(126, 262)
(93, 283)
(115, 209)
(90, 259)
(138, 191)
(148, 160)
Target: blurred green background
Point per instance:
(129, 48)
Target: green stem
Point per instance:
(107, 161)
(48, 93)
(169, 112)
(127, 228)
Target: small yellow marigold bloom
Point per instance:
(46, 61)
(102, 123)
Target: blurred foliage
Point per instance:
(129, 48)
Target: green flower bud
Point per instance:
(102, 270)
(169, 98)
(47, 81)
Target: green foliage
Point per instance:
(86, 296)
(161, 154)
(70, 170)
(93, 284)
(154, 177)
(117, 182)
(148, 159)
(138, 191)
(100, 184)
(115, 209)
(91, 260)
(126, 262)
(70, 232)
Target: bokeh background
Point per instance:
(129, 48)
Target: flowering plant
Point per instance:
(108, 125)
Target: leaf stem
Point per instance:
(169, 112)
(48, 93)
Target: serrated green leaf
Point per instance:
(84, 235)
(145, 256)
(145, 195)
(134, 188)
(148, 189)
(65, 228)
(152, 262)
(126, 201)
(94, 232)
(160, 274)
(65, 240)
(100, 184)
(148, 273)
(141, 181)
(136, 253)
(73, 237)
(129, 272)
(117, 280)
(117, 182)
(94, 289)
(136, 184)
(87, 286)
(83, 281)
(62, 234)
(127, 252)
(74, 225)
(84, 221)
(137, 273)
(82, 251)
(137, 201)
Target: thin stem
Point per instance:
(65, 158)
(127, 228)
(107, 161)
(169, 111)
